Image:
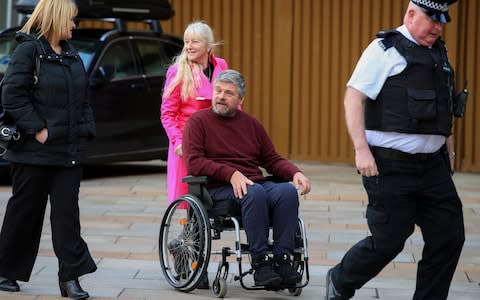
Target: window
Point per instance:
(155, 56)
(7, 44)
(86, 49)
(119, 56)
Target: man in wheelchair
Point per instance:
(229, 146)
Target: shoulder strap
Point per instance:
(36, 71)
(38, 55)
(385, 35)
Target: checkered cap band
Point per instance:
(432, 5)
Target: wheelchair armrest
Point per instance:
(196, 187)
(195, 179)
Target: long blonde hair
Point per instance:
(188, 73)
(51, 18)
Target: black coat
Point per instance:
(57, 102)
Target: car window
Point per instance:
(155, 56)
(7, 44)
(119, 56)
(86, 49)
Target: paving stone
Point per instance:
(121, 218)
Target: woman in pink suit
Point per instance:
(188, 88)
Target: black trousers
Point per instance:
(23, 221)
(408, 192)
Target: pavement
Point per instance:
(121, 213)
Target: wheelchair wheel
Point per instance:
(185, 243)
(219, 287)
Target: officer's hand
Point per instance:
(239, 184)
(365, 163)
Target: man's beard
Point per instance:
(226, 112)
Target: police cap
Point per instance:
(437, 10)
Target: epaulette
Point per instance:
(386, 43)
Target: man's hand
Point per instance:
(301, 182)
(354, 103)
(239, 184)
(42, 136)
(365, 162)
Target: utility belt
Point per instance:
(392, 154)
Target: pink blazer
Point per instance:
(175, 112)
(174, 115)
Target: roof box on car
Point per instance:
(122, 9)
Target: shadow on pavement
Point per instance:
(123, 169)
(105, 170)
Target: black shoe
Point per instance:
(8, 285)
(284, 267)
(72, 290)
(264, 274)
(175, 247)
(331, 292)
(204, 284)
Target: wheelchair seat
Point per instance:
(186, 235)
(225, 208)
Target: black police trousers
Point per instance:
(409, 190)
(23, 221)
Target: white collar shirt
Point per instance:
(372, 70)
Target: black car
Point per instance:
(126, 71)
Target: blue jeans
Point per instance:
(265, 200)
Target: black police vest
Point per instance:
(419, 99)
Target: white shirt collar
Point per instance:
(403, 30)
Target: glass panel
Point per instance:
(155, 56)
(85, 49)
(7, 44)
(119, 56)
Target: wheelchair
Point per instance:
(189, 225)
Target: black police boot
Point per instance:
(264, 274)
(8, 285)
(331, 292)
(283, 265)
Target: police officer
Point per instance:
(398, 107)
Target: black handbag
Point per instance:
(9, 133)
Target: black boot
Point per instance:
(331, 292)
(264, 274)
(283, 265)
(72, 289)
(8, 285)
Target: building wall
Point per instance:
(466, 55)
(297, 56)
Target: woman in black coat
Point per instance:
(56, 122)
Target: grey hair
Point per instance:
(233, 77)
(203, 31)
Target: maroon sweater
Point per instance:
(218, 146)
